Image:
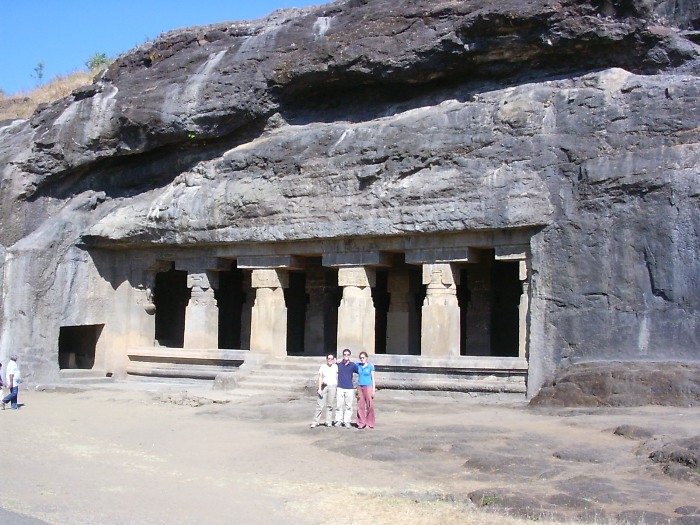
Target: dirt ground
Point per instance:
(184, 455)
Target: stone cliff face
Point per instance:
(577, 120)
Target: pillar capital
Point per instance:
(203, 280)
(269, 278)
(359, 276)
(440, 274)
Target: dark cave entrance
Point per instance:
(170, 297)
(231, 300)
(489, 298)
(76, 346)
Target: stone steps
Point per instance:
(277, 375)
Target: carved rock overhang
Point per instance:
(221, 110)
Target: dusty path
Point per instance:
(141, 457)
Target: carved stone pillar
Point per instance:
(356, 316)
(398, 317)
(268, 324)
(440, 313)
(523, 309)
(202, 314)
(143, 325)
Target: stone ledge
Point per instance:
(465, 363)
(188, 355)
(395, 372)
(452, 385)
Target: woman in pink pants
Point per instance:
(366, 389)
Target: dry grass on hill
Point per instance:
(22, 105)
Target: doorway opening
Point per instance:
(170, 297)
(231, 301)
(76, 346)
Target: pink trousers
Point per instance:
(365, 407)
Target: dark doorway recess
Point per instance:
(380, 297)
(170, 298)
(489, 297)
(230, 298)
(76, 346)
(296, 300)
(417, 295)
(505, 318)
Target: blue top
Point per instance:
(364, 374)
(345, 372)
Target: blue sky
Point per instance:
(65, 34)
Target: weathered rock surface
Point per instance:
(680, 458)
(578, 120)
(623, 384)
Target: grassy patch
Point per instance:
(22, 105)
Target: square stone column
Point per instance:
(398, 317)
(202, 313)
(523, 310)
(268, 323)
(440, 313)
(356, 315)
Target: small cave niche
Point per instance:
(76, 346)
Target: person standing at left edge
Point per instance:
(13, 379)
(327, 387)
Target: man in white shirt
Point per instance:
(14, 378)
(327, 388)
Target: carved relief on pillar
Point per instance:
(140, 325)
(440, 313)
(201, 314)
(144, 299)
(441, 281)
(202, 290)
(143, 292)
